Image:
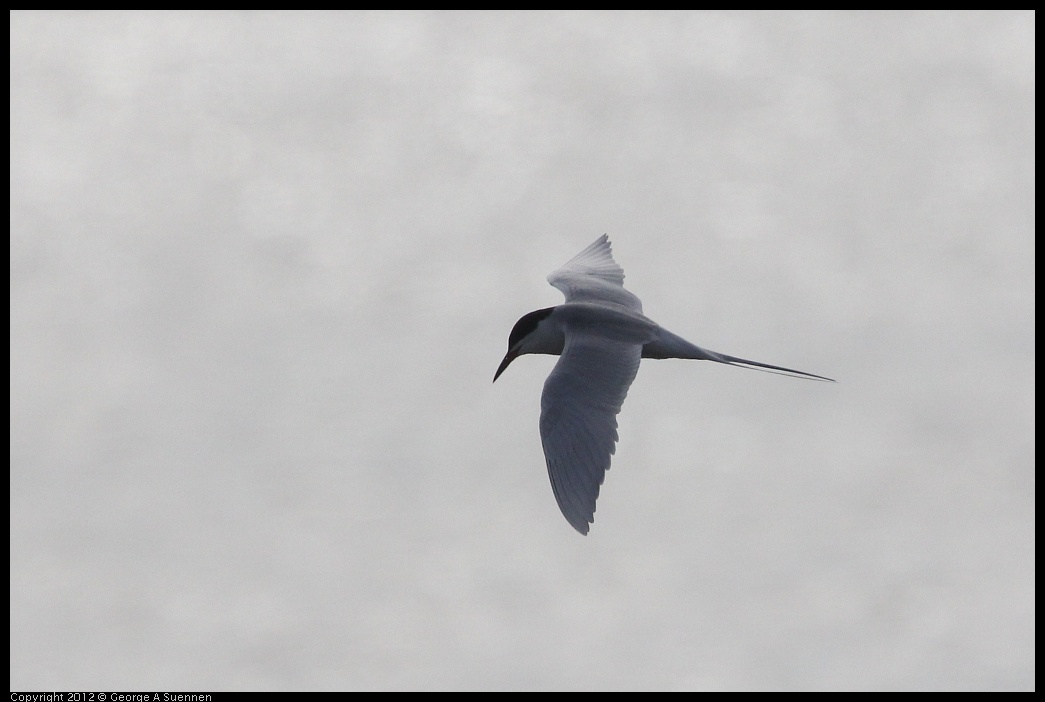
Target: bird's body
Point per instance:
(600, 334)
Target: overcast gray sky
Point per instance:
(264, 265)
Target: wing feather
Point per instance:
(593, 276)
(579, 408)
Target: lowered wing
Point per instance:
(579, 408)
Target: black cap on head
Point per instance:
(526, 324)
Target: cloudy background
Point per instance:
(263, 267)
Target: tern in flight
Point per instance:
(600, 335)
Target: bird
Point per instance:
(599, 334)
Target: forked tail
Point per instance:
(766, 367)
(668, 345)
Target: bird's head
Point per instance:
(533, 333)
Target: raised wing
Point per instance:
(579, 407)
(593, 276)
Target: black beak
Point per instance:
(508, 358)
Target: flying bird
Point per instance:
(600, 334)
